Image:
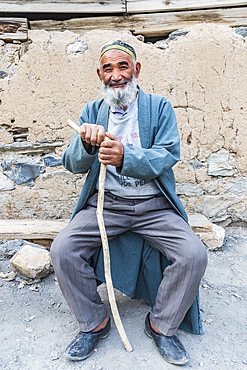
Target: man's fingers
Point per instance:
(111, 147)
(92, 134)
(111, 136)
(105, 157)
(83, 131)
(100, 136)
(111, 152)
(107, 144)
(88, 134)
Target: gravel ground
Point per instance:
(37, 324)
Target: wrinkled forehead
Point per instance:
(116, 57)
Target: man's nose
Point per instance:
(116, 75)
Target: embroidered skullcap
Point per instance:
(120, 45)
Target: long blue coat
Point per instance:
(160, 150)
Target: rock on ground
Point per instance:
(32, 262)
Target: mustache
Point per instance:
(113, 83)
(120, 97)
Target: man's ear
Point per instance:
(99, 74)
(138, 69)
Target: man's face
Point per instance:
(118, 74)
(117, 69)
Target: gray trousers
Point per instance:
(156, 222)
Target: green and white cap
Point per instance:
(120, 45)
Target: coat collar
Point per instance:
(103, 115)
(144, 119)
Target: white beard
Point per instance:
(120, 97)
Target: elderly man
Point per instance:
(139, 198)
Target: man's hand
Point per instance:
(92, 134)
(111, 151)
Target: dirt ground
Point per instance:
(37, 325)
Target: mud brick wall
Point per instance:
(49, 78)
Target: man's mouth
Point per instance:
(117, 84)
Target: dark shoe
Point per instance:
(84, 343)
(170, 348)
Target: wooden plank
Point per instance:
(159, 24)
(43, 232)
(43, 242)
(149, 25)
(13, 29)
(63, 6)
(31, 229)
(145, 6)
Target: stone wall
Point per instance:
(48, 79)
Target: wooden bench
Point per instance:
(43, 232)
(40, 232)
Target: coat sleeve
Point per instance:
(147, 164)
(75, 158)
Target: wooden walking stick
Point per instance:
(106, 251)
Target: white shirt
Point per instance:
(124, 126)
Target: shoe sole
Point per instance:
(148, 334)
(173, 362)
(71, 358)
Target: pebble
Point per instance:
(3, 74)
(242, 31)
(9, 276)
(175, 34)
(208, 321)
(34, 288)
(140, 38)
(22, 284)
(162, 44)
(29, 330)
(237, 295)
(54, 357)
